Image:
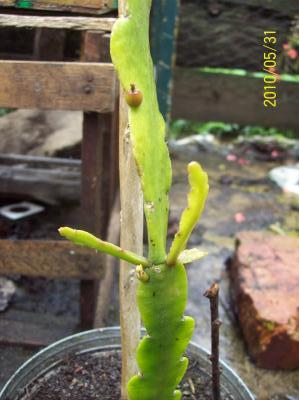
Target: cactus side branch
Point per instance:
(88, 240)
(198, 181)
(191, 255)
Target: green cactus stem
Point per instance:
(131, 57)
(162, 288)
(162, 300)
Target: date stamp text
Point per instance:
(269, 67)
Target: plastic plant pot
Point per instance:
(102, 340)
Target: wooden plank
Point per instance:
(42, 161)
(30, 329)
(49, 44)
(96, 46)
(285, 7)
(86, 6)
(234, 99)
(219, 40)
(57, 85)
(73, 23)
(21, 173)
(15, 56)
(51, 186)
(48, 258)
(99, 165)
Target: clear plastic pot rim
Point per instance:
(105, 339)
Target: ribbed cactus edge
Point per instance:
(162, 290)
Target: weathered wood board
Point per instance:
(51, 186)
(74, 23)
(99, 156)
(86, 6)
(39, 161)
(285, 7)
(228, 35)
(234, 99)
(31, 329)
(49, 258)
(58, 85)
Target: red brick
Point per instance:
(265, 281)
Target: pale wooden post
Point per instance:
(131, 238)
(131, 226)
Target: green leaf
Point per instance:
(191, 255)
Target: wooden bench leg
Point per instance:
(49, 44)
(105, 290)
(99, 172)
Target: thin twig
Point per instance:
(212, 295)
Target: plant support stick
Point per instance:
(212, 294)
(131, 236)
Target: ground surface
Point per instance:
(235, 189)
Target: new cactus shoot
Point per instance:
(162, 289)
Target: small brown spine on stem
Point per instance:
(212, 295)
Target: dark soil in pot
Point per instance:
(97, 376)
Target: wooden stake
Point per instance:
(131, 238)
(212, 295)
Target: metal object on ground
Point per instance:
(286, 177)
(98, 340)
(7, 290)
(20, 210)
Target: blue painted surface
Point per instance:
(163, 27)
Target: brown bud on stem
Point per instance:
(134, 97)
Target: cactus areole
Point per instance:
(162, 290)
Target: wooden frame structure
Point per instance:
(87, 7)
(89, 85)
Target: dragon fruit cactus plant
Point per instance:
(162, 289)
